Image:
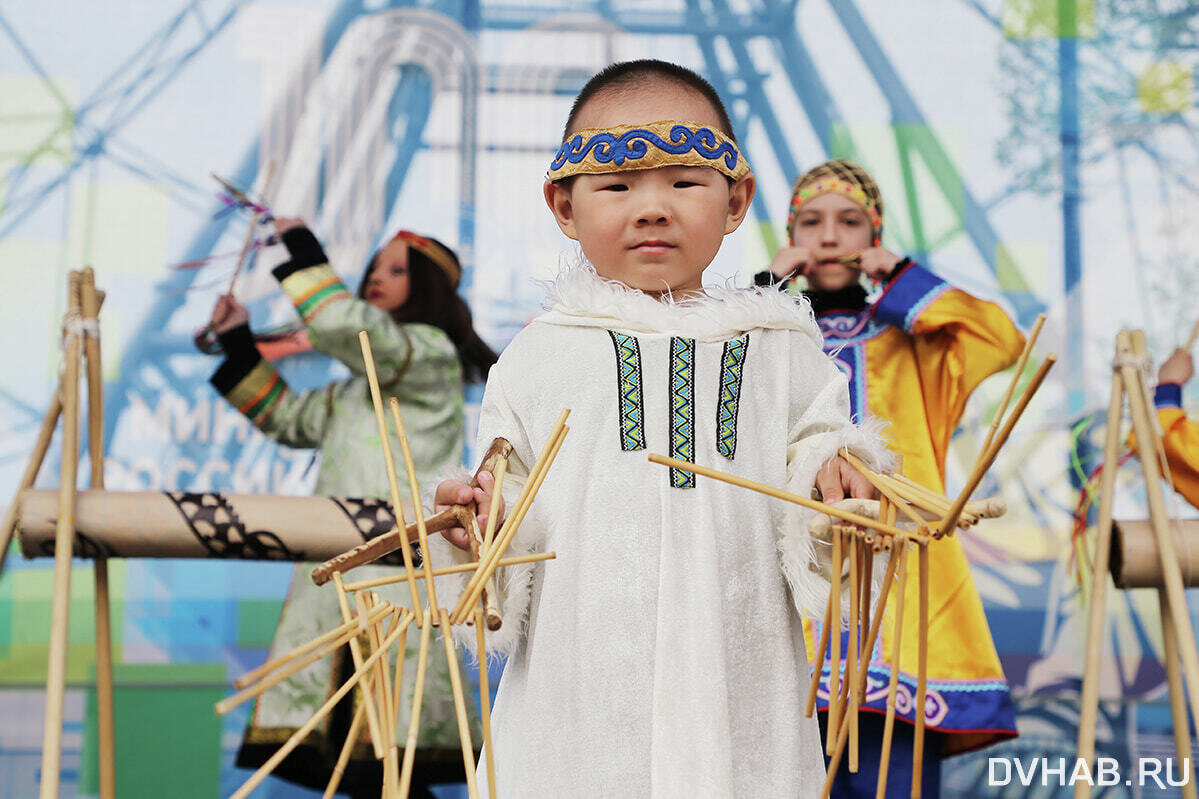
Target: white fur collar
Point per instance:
(579, 297)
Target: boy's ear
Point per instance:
(741, 194)
(557, 197)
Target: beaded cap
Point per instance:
(842, 177)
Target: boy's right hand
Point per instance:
(791, 261)
(228, 313)
(456, 492)
(1178, 368)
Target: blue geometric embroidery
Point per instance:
(634, 144)
(731, 367)
(682, 408)
(628, 391)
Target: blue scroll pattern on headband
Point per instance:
(632, 145)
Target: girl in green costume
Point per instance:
(424, 347)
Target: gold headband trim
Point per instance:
(598, 151)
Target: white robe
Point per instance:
(661, 653)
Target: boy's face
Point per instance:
(651, 229)
(831, 226)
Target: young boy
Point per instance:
(661, 654)
(912, 358)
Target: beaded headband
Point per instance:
(598, 151)
(841, 177)
(434, 252)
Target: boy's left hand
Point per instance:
(837, 480)
(878, 263)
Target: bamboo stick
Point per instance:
(1194, 335)
(786, 496)
(512, 523)
(1011, 389)
(418, 690)
(346, 632)
(837, 750)
(539, 465)
(32, 467)
(1097, 607)
(491, 610)
(1178, 702)
(864, 605)
(64, 539)
(851, 660)
(887, 491)
(468, 750)
(282, 660)
(414, 490)
(1146, 435)
(393, 485)
(834, 675)
(921, 674)
(372, 716)
(892, 688)
(398, 682)
(818, 663)
(457, 568)
(876, 622)
(485, 703)
(339, 768)
(987, 457)
(299, 735)
(391, 764)
(382, 679)
(106, 755)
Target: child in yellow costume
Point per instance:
(913, 357)
(1180, 436)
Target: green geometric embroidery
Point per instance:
(628, 391)
(682, 408)
(731, 367)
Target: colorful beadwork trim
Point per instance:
(682, 408)
(312, 290)
(833, 185)
(628, 391)
(258, 393)
(732, 365)
(597, 151)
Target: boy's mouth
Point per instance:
(653, 246)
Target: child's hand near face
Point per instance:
(878, 263)
(1178, 368)
(790, 261)
(228, 313)
(286, 223)
(456, 492)
(837, 479)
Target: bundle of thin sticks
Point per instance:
(385, 626)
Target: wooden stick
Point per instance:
(245, 248)
(253, 676)
(834, 674)
(468, 750)
(818, 663)
(418, 690)
(538, 466)
(1146, 434)
(1178, 702)
(787, 496)
(835, 754)
(867, 570)
(873, 478)
(359, 675)
(414, 489)
(491, 610)
(921, 674)
(339, 769)
(1194, 335)
(512, 523)
(901, 547)
(876, 622)
(64, 540)
(105, 725)
(851, 660)
(372, 717)
(382, 679)
(987, 457)
(401, 656)
(485, 703)
(272, 679)
(393, 485)
(387, 720)
(1097, 606)
(493, 509)
(32, 467)
(1011, 389)
(458, 568)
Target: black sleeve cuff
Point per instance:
(898, 269)
(240, 360)
(237, 341)
(305, 251)
(766, 278)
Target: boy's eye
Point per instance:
(614, 187)
(683, 184)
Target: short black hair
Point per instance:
(648, 70)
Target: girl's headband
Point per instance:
(834, 185)
(598, 151)
(434, 252)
